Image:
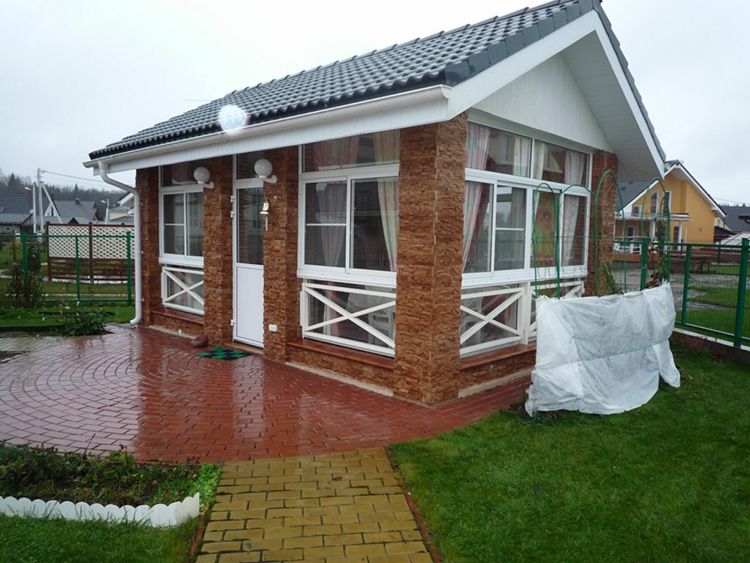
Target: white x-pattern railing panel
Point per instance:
(371, 310)
(182, 289)
(474, 319)
(568, 289)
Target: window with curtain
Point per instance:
(349, 152)
(370, 223)
(553, 163)
(477, 225)
(497, 151)
(182, 223)
(573, 230)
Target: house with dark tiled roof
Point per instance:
(15, 214)
(71, 212)
(388, 219)
(677, 202)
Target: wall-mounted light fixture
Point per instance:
(202, 177)
(263, 169)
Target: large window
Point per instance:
(360, 215)
(349, 198)
(513, 224)
(181, 216)
(494, 150)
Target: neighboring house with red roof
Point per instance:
(373, 218)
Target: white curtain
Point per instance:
(472, 205)
(477, 149)
(477, 146)
(540, 155)
(386, 147)
(571, 208)
(332, 210)
(575, 167)
(388, 198)
(521, 155)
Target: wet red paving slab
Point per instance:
(148, 392)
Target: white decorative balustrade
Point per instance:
(356, 316)
(502, 315)
(182, 289)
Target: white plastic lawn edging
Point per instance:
(158, 516)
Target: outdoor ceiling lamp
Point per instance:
(202, 177)
(263, 169)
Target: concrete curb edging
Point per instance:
(158, 516)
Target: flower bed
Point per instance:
(41, 482)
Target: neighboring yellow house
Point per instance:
(693, 212)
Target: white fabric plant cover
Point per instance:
(602, 355)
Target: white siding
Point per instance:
(547, 98)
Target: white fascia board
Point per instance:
(408, 109)
(471, 92)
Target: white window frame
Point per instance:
(177, 259)
(347, 273)
(498, 179)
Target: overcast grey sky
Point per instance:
(79, 74)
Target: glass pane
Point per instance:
(558, 164)
(510, 208)
(477, 225)
(497, 151)
(185, 298)
(490, 332)
(246, 164)
(545, 228)
(375, 222)
(573, 230)
(324, 245)
(195, 223)
(509, 249)
(174, 209)
(325, 203)
(180, 174)
(250, 226)
(360, 150)
(174, 239)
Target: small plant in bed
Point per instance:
(117, 478)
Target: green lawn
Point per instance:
(669, 481)
(25, 540)
(59, 289)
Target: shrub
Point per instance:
(80, 322)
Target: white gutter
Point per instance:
(137, 223)
(357, 110)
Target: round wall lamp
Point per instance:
(202, 177)
(263, 169)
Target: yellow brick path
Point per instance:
(334, 507)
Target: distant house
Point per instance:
(738, 222)
(71, 212)
(15, 214)
(693, 213)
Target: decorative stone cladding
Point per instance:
(281, 288)
(602, 162)
(430, 259)
(217, 251)
(147, 184)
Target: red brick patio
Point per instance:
(147, 392)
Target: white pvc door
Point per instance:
(248, 264)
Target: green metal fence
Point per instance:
(80, 267)
(709, 283)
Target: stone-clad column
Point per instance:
(430, 259)
(605, 219)
(280, 285)
(217, 252)
(147, 184)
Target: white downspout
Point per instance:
(137, 223)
